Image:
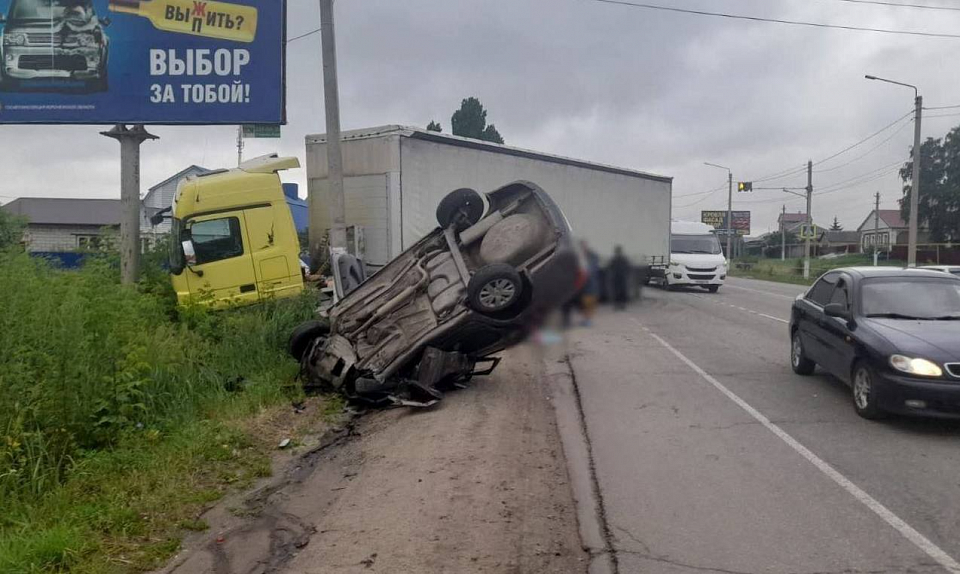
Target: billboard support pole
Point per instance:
(130, 140)
(331, 94)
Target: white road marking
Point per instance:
(751, 311)
(907, 531)
(761, 292)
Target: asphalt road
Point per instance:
(711, 455)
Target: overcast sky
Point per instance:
(655, 91)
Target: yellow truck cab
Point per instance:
(233, 240)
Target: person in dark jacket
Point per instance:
(619, 270)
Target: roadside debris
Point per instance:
(433, 317)
(284, 443)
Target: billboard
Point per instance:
(142, 61)
(718, 219)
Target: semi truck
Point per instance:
(394, 177)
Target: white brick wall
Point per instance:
(57, 238)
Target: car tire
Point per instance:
(802, 365)
(713, 288)
(303, 335)
(460, 208)
(495, 288)
(864, 390)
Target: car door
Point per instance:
(223, 271)
(810, 317)
(836, 337)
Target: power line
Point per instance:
(779, 21)
(896, 5)
(866, 139)
(699, 201)
(865, 154)
(860, 179)
(304, 35)
(709, 191)
(942, 107)
(931, 116)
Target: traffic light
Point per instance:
(744, 186)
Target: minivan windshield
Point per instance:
(910, 298)
(50, 9)
(706, 243)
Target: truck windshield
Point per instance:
(695, 244)
(51, 9)
(177, 261)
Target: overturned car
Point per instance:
(435, 315)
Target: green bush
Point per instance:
(89, 367)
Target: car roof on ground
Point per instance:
(868, 272)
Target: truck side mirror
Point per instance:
(189, 253)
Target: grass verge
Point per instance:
(791, 270)
(122, 417)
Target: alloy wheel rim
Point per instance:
(797, 350)
(861, 389)
(497, 293)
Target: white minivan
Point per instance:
(696, 258)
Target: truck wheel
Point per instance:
(461, 208)
(303, 335)
(494, 288)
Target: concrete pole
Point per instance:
(783, 234)
(915, 189)
(331, 96)
(876, 230)
(239, 145)
(806, 258)
(729, 215)
(130, 140)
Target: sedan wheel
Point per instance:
(865, 394)
(798, 358)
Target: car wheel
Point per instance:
(461, 208)
(494, 288)
(303, 335)
(865, 400)
(801, 364)
(713, 288)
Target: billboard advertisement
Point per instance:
(718, 219)
(142, 61)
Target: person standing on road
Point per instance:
(586, 299)
(619, 277)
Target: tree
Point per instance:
(11, 229)
(470, 121)
(434, 127)
(836, 225)
(939, 187)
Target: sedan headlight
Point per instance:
(919, 367)
(14, 39)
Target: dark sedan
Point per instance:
(892, 334)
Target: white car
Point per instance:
(952, 269)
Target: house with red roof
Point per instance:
(887, 230)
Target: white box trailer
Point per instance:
(394, 177)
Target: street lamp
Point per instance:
(915, 188)
(729, 208)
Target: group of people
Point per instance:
(616, 277)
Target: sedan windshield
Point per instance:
(695, 244)
(904, 298)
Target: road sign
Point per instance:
(142, 62)
(808, 231)
(718, 219)
(261, 130)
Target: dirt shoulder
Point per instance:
(476, 484)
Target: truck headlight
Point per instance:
(912, 366)
(14, 39)
(86, 40)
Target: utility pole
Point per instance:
(876, 230)
(915, 188)
(130, 140)
(239, 145)
(331, 97)
(729, 215)
(783, 234)
(806, 258)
